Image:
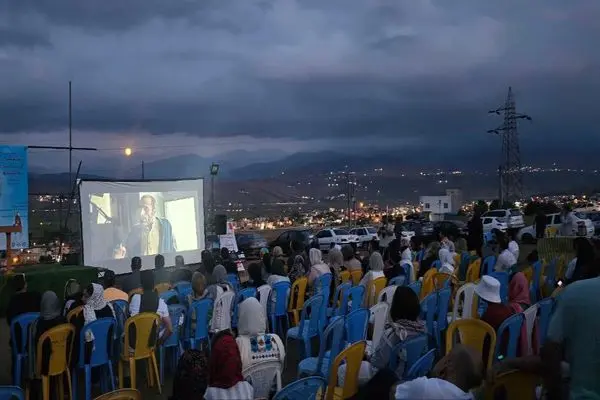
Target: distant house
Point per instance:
(438, 206)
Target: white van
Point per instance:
(580, 224)
(512, 217)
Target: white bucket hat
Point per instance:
(488, 289)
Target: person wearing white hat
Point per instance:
(488, 289)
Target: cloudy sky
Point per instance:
(169, 77)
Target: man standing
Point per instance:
(540, 225)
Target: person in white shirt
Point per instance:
(149, 301)
(453, 377)
(445, 242)
(513, 246)
(506, 259)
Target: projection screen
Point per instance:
(124, 219)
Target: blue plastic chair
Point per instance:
(436, 264)
(309, 324)
(357, 323)
(399, 280)
(416, 287)
(278, 312)
(303, 389)
(429, 311)
(465, 259)
(487, 266)
(356, 295)
(422, 366)
(239, 297)
(420, 255)
(331, 338)
(176, 312)
(407, 267)
(168, 295)
(534, 290)
(323, 286)
(544, 312)
(503, 279)
(234, 281)
(414, 348)
(550, 272)
(340, 300)
(200, 309)
(183, 289)
(511, 326)
(121, 308)
(103, 331)
(19, 350)
(441, 323)
(11, 393)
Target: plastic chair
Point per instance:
(378, 317)
(199, 310)
(441, 280)
(183, 289)
(408, 271)
(544, 313)
(73, 314)
(530, 316)
(345, 277)
(176, 313)
(331, 339)
(413, 349)
(340, 299)
(513, 385)
(503, 279)
(281, 291)
(428, 312)
(19, 350)
(534, 289)
(466, 293)
(162, 287)
(472, 332)
(375, 288)
(356, 276)
(11, 393)
(420, 255)
(427, 286)
(353, 356)
(263, 293)
(310, 388)
(422, 366)
(356, 325)
(387, 294)
(145, 325)
(169, 295)
(309, 325)
(356, 297)
(102, 330)
(399, 280)
(134, 292)
(121, 308)
(474, 271)
(488, 265)
(261, 376)
(416, 287)
(234, 281)
(441, 323)
(121, 394)
(436, 264)
(463, 266)
(511, 326)
(297, 295)
(61, 340)
(239, 297)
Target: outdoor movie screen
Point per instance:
(121, 220)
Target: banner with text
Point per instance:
(14, 194)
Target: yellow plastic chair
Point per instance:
(440, 278)
(356, 276)
(345, 276)
(414, 271)
(61, 340)
(134, 292)
(513, 385)
(296, 302)
(162, 287)
(146, 326)
(457, 259)
(73, 314)
(121, 394)
(376, 286)
(353, 355)
(472, 332)
(428, 287)
(474, 271)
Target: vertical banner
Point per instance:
(14, 194)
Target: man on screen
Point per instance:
(151, 235)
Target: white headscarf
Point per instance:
(315, 256)
(94, 303)
(252, 320)
(376, 262)
(447, 260)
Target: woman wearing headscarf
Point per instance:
(227, 262)
(254, 343)
(225, 380)
(255, 272)
(267, 259)
(72, 295)
(518, 292)
(430, 256)
(277, 262)
(446, 261)
(218, 282)
(375, 270)
(461, 246)
(336, 263)
(191, 377)
(207, 264)
(199, 292)
(583, 267)
(317, 266)
(351, 263)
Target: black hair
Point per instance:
(502, 242)
(208, 261)
(18, 282)
(224, 253)
(109, 279)
(405, 305)
(89, 289)
(348, 252)
(159, 261)
(179, 261)
(255, 272)
(136, 263)
(147, 278)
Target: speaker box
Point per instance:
(220, 224)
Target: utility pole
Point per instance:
(511, 175)
(350, 194)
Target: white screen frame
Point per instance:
(123, 266)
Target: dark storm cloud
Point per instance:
(423, 70)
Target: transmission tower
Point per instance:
(510, 174)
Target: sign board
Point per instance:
(14, 194)
(229, 242)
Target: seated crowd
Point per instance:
(554, 348)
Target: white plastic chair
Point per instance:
(388, 294)
(263, 293)
(262, 376)
(379, 316)
(530, 317)
(467, 293)
(221, 318)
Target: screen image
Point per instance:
(121, 220)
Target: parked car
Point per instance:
(595, 218)
(512, 217)
(455, 229)
(408, 229)
(328, 236)
(491, 223)
(365, 235)
(250, 243)
(284, 240)
(527, 234)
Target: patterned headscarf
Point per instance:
(225, 364)
(94, 303)
(191, 378)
